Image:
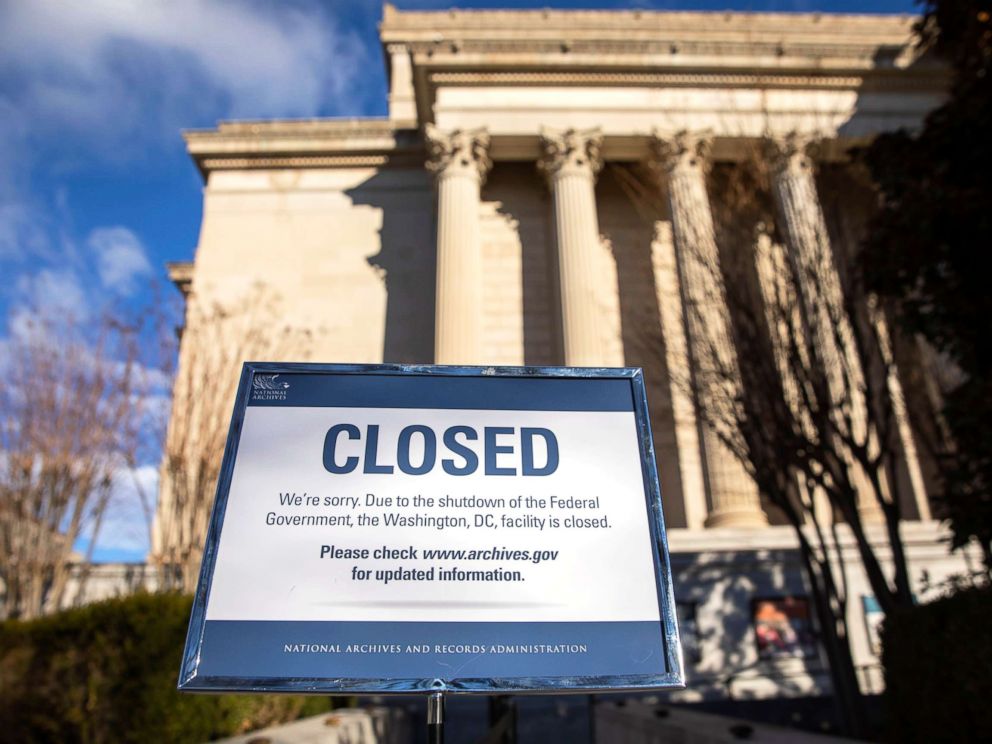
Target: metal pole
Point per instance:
(435, 718)
(591, 706)
(502, 720)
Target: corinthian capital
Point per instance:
(680, 150)
(458, 152)
(793, 152)
(570, 150)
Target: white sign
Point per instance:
(381, 529)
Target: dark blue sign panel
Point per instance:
(398, 529)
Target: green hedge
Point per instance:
(938, 670)
(107, 673)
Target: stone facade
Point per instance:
(528, 201)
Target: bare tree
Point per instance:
(817, 394)
(937, 380)
(215, 342)
(70, 412)
(795, 375)
(812, 409)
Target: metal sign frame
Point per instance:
(674, 677)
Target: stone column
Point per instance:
(772, 264)
(734, 499)
(794, 189)
(820, 292)
(668, 288)
(460, 162)
(570, 161)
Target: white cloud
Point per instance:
(116, 81)
(52, 291)
(123, 72)
(22, 233)
(120, 258)
(14, 131)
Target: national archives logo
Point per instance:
(267, 387)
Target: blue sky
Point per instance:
(96, 190)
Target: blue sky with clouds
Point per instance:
(96, 190)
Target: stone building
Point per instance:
(530, 200)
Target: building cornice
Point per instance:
(658, 49)
(583, 49)
(604, 22)
(310, 143)
(181, 275)
(638, 32)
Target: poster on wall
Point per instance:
(383, 528)
(873, 623)
(783, 628)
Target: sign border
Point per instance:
(191, 681)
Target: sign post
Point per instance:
(435, 718)
(435, 530)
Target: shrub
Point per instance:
(938, 670)
(107, 673)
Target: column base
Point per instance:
(737, 518)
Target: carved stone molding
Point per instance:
(332, 127)
(668, 45)
(683, 149)
(460, 152)
(570, 150)
(331, 161)
(680, 78)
